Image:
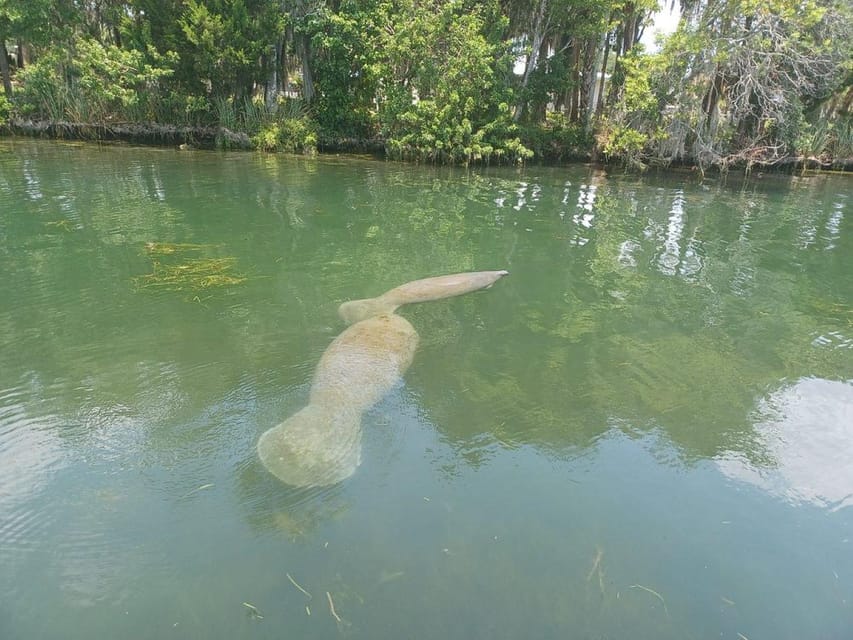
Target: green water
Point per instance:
(644, 431)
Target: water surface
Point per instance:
(645, 431)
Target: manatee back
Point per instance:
(321, 444)
(365, 362)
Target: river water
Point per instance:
(644, 431)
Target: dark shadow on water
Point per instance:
(274, 508)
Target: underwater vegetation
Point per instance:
(176, 267)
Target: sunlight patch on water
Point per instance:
(806, 433)
(671, 256)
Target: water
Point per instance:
(645, 431)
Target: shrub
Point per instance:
(100, 82)
(44, 92)
(292, 135)
(444, 100)
(5, 110)
(557, 139)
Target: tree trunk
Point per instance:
(272, 86)
(307, 77)
(591, 59)
(600, 103)
(630, 29)
(4, 67)
(281, 70)
(539, 29)
(536, 112)
(576, 81)
(562, 99)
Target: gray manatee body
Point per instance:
(424, 290)
(321, 444)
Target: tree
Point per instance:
(228, 38)
(443, 91)
(346, 49)
(36, 22)
(736, 81)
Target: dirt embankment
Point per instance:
(140, 133)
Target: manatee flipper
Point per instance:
(419, 291)
(321, 444)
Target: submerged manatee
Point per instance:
(419, 291)
(321, 444)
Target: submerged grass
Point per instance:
(187, 275)
(168, 248)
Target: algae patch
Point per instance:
(177, 267)
(170, 248)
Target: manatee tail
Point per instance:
(356, 310)
(315, 447)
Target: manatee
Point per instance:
(321, 444)
(418, 291)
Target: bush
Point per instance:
(44, 92)
(5, 110)
(557, 139)
(292, 135)
(98, 83)
(444, 100)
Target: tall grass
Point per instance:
(841, 147)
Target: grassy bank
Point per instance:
(549, 149)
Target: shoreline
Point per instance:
(166, 135)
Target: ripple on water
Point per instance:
(65, 519)
(30, 454)
(93, 562)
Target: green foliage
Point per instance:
(621, 140)
(841, 144)
(626, 132)
(740, 81)
(39, 22)
(442, 97)
(287, 134)
(735, 84)
(181, 109)
(225, 39)
(557, 139)
(5, 110)
(44, 88)
(638, 96)
(824, 140)
(284, 127)
(112, 80)
(98, 83)
(345, 66)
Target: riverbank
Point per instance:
(149, 133)
(156, 134)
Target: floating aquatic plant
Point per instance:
(190, 275)
(63, 224)
(169, 248)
